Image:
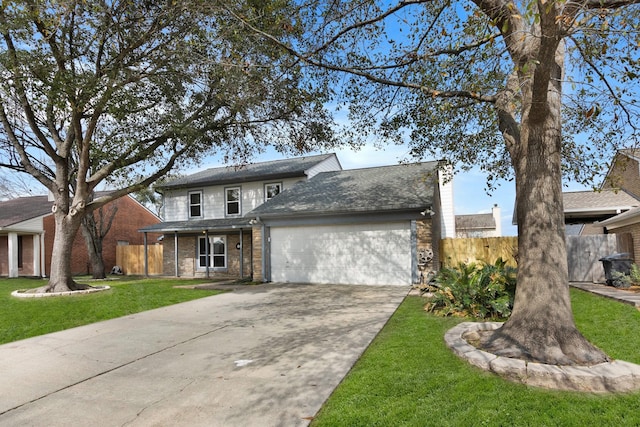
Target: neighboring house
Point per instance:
(479, 225)
(625, 174)
(27, 229)
(306, 220)
(584, 210)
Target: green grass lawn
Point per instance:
(408, 377)
(27, 317)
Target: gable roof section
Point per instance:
(631, 152)
(276, 169)
(475, 222)
(22, 209)
(604, 202)
(381, 189)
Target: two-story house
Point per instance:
(206, 230)
(306, 220)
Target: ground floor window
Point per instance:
(216, 249)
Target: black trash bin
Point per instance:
(615, 265)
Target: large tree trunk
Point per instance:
(60, 279)
(541, 327)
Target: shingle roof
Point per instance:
(276, 169)
(475, 222)
(601, 200)
(388, 188)
(22, 209)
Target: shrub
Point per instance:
(474, 290)
(620, 280)
(634, 273)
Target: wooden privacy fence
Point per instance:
(485, 249)
(131, 259)
(583, 252)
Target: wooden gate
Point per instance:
(131, 259)
(584, 253)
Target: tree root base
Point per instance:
(34, 293)
(606, 377)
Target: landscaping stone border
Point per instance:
(611, 377)
(24, 293)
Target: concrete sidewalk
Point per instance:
(269, 355)
(627, 297)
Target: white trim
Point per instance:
(226, 201)
(200, 205)
(447, 213)
(266, 184)
(212, 255)
(36, 254)
(12, 254)
(626, 218)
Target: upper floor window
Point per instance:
(232, 200)
(195, 204)
(272, 190)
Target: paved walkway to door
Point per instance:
(267, 355)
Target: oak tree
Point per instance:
(531, 90)
(120, 92)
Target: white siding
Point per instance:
(34, 225)
(448, 217)
(327, 165)
(174, 206)
(176, 202)
(369, 254)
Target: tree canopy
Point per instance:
(431, 74)
(123, 91)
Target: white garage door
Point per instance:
(369, 254)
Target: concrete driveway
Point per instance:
(267, 355)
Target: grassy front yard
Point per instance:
(27, 317)
(408, 377)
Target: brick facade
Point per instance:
(188, 256)
(634, 231)
(25, 263)
(624, 174)
(256, 246)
